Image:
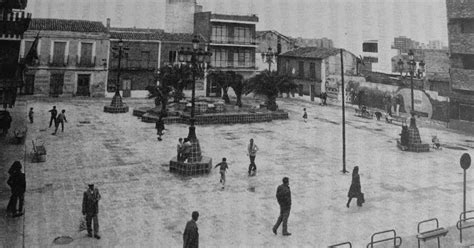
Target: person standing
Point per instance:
(186, 150)
(283, 196)
(223, 168)
(305, 115)
(90, 208)
(54, 113)
(30, 115)
(355, 189)
(17, 184)
(179, 149)
(160, 126)
(191, 234)
(252, 149)
(60, 120)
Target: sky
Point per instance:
(347, 22)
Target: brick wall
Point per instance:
(134, 57)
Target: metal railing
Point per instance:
(341, 244)
(395, 238)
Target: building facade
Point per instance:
(271, 39)
(147, 50)
(322, 42)
(72, 58)
(13, 23)
(312, 68)
(461, 47)
(232, 43)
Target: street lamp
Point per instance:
(269, 57)
(197, 59)
(117, 106)
(412, 65)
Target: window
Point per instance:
(370, 47)
(242, 35)
(172, 56)
(28, 44)
(219, 34)
(466, 112)
(219, 58)
(301, 69)
(468, 62)
(242, 58)
(467, 26)
(145, 59)
(59, 53)
(312, 70)
(86, 54)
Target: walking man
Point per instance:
(90, 208)
(54, 113)
(191, 234)
(60, 120)
(17, 183)
(160, 126)
(30, 115)
(283, 196)
(222, 170)
(252, 149)
(305, 115)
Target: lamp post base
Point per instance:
(116, 106)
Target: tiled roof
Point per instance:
(67, 25)
(263, 32)
(153, 35)
(311, 52)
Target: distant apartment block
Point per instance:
(232, 42)
(461, 47)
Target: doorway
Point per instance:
(83, 85)
(127, 88)
(56, 84)
(29, 87)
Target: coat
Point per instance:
(191, 235)
(355, 189)
(90, 202)
(17, 183)
(283, 196)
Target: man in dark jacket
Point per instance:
(283, 196)
(191, 234)
(17, 183)
(90, 208)
(54, 113)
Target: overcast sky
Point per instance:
(347, 22)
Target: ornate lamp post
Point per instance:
(117, 106)
(412, 66)
(269, 58)
(197, 59)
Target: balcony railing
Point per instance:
(232, 64)
(14, 23)
(58, 62)
(128, 64)
(462, 79)
(86, 61)
(234, 41)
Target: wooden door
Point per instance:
(83, 85)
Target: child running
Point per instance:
(222, 170)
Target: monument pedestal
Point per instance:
(414, 141)
(196, 163)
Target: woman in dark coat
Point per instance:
(355, 189)
(17, 183)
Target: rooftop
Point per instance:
(150, 34)
(260, 33)
(311, 52)
(67, 25)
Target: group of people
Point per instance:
(57, 119)
(183, 149)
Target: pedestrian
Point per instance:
(305, 115)
(30, 115)
(5, 122)
(283, 196)
(179, 149)
(54, 113)
(17, 184)
(191, 234)
(355, 189)
(186, 150)
(325, 98)
(90, 208)
(252, 149)
(160, 126)
(223, 168)
(60, 120)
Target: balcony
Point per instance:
(462, 79)
(234, 65)
(58, 62)
(134, 65)
(228, 41)
(86, 61)
(14, 23)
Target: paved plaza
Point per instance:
(143, 205)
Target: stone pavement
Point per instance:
(143, 205)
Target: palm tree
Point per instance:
(269, 84)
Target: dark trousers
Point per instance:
(57, 126)
(14, 198)
(52, 120)
(89, 219)
(252, 167)
(252, 159)
(31, 118)
(284, 215)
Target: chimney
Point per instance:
(108, 24)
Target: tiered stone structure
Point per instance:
(196, 163)
(414, 141)
(116, 106)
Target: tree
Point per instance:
(222, 79)
(268, 84)
(236, 81)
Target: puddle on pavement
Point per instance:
(63, 240)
